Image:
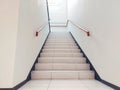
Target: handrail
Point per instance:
(48, 14)
(87, 32)
(40, 28)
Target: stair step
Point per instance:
(86, 74)
(52, 44)
(61, 60)
(59, 37)
(60, 41)
(60, 47)
(61, 54)
(61, 50)
(61, 66)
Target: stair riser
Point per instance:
(60, 55)
(69, 49)
(64, 59)
(60, 47)
(57, 44)
(55, 66)
(63, 75)
(61, 61)
(50, 61)
(61, 51)
(60, 42)
(60, 39)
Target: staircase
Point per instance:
(61, 59)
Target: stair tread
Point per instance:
(65, 63)
(61, 53)
(64, 71)
(60, 49)
(60, 45)
(65, 58)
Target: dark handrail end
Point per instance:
(88, 33)
(36, 34)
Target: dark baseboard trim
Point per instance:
(16, 87)
(97, 77)
(110, 85)
(33, 67)
(6, 89)
(29, 75)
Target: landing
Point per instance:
(64, 85)
(59, 29)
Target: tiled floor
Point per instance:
(64, 85)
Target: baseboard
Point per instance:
(16, 87)
(7, 89)
(33, 67)
(110, 85)
(97, 77)
(29, 75)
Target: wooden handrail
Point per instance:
(87, 32)
(40, 28)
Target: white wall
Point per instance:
(58, 12)
(33, 13)
(8, 33)
(19, 47)
(102, 18)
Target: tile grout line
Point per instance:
(49, 84)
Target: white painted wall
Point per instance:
(33, 13)
(58, 12)
(19, 19)
(8, 33)
(102, 18)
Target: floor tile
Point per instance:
(95, 85)
(36, 85)
(64, 85)
(35, 88)
(65, 88)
